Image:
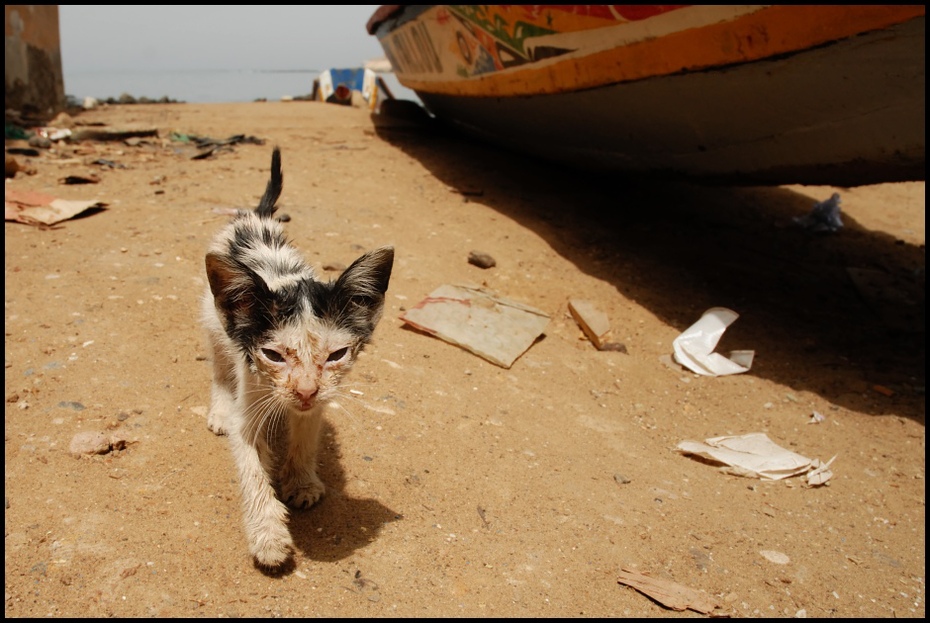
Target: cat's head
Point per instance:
(298, 334)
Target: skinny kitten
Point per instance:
(282, 341)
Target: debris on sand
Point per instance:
(485, 324)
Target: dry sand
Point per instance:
(456, 487)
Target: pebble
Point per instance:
(334, 266)
(90, 442)
(481, 259)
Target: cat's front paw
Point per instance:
(216, 423)
(222, 405)
(302, 493)
(273, 548)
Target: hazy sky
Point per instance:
(208, 37)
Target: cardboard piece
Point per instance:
(34, 208)
(492, 327)
(669, 594)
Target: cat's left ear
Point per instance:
(366, 280)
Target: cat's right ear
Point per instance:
(236, 290)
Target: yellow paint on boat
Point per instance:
(677, 40)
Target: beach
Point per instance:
(457, 487)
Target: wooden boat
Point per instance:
(752, 94)
(342, 86)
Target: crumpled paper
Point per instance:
(754, 455)
(694, 348)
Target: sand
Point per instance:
(457, 487)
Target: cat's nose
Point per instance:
(306, 394)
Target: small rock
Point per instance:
(284, 217)
(621, 479)
(42, 142)
(614, 346)
(89, 442)
(481, 259)
(334, 266)
(71, 404)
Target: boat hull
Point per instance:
(843, 112)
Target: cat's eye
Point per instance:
(336, 355)
(273, 355)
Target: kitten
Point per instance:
(282, 341)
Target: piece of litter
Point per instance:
(34, 208)
(492, 327)
(669, 594)
(821, 472)
(816, 418)
(592, 321)
(754, 455)
(823, 217)
(694, 348)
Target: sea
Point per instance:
(205, 86)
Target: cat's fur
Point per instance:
(281, 342)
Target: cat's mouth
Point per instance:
(305, 404)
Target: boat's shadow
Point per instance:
(678, 248)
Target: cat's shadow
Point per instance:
(339, 524)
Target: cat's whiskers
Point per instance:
(263, 414)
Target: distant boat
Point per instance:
(752, 94)
(342, 86)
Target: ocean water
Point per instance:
(204, 86)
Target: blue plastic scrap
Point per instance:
(824, 217)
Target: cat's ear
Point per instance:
(364, 283)
(236, 290)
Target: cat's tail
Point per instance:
(267, 207)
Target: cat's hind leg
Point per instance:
(299, 484)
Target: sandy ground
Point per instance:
(456, 487)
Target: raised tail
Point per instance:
(267, 207)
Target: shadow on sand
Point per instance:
(677, 248)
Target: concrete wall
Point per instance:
(32, 51)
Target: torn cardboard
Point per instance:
(34, 208)
(492, 327)
(667, 593)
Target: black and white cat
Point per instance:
(282, 341)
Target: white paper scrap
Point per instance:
(694, 348)
(754, 455)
